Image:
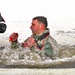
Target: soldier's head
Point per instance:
(39, 24)
(3, 26)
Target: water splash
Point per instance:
(25, 57)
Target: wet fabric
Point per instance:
(14, 45)
(45, 46)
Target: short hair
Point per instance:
(41, 19)
(2, 27)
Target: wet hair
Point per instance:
(2, 27)
(1, 18)
(41, 19)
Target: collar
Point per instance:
(42, 35)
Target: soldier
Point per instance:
(2, 28)
(40, 41)
(2, 24)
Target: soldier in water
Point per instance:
(2, 28)
(2, 24)
(40, 41)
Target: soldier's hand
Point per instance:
(13, 37)
(30, 42)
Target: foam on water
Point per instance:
(11, 57)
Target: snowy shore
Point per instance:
(37, 71)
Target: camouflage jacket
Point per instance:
(14, 45)
(45, 44)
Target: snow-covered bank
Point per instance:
(37, 71)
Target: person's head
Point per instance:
(39, 24)
(3, 26)
(1, 18)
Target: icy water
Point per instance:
(15, 59)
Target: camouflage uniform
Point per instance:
(45, 45)
(14, 45)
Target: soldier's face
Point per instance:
(35, 26)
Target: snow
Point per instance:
(37, 71)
